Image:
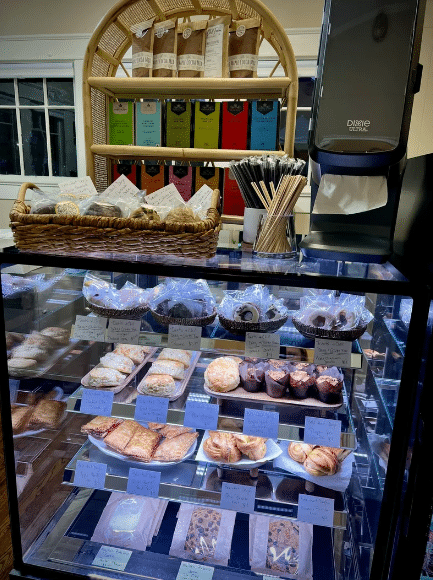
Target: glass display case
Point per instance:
(288, 456)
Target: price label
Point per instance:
(95, 402)
(201, 415)
(322, 432)
(90, 328)
(90, 474)
(333, 352)
(267, 577)
(151, 409)
(123, 331)
(318, 511)
(143, 482)
(239, 498)
(81, 188)
(261, 423)
(190, 571)
(112, 558)
(185, 337)
(262, 345)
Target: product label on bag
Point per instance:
(214, 51)
(165, 60)
(190, 62)
(121, 131)
(142, 60)
(148, 125)
(243, 62)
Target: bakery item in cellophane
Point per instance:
(203, 534)
(222, 374)
(281, 547)
(129, 521)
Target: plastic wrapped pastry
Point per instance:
(182, 299)
(99, 292)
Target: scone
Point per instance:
(222, 375)
(183, 356)
(157, 385)
(168, 367)
(104, 377)
(132, 351)
(119, 362)
(60, 335)
(40, 340)
(33, 352)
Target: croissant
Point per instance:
(299, 451)
(252, 447)
(221, 446)
(321, 461)
(340, 454)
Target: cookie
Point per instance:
(202, 535)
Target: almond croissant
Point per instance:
(253, 447)
(221, 446)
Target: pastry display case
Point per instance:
(274, 443)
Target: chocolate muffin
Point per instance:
(329, 389)
(252, 374)
(276, 382)
(300, 383)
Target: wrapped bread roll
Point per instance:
(299, 451)
(321, 461)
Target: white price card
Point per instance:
(148, 408)
(123, 331)
(262, 345)
(81, 188)
(90, 474)
(331, 352)
(143, 482)
(322, 432)
(184, 337)
(190, 571)
(166, 196)
(315, 510)
(239, 498)
(112, 558)
(201, 415)
(261, 423)
(95, 402)
(90, 328)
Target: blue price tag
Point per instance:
(95, 402)
(90, 474)
(201, 415)
(261, 423)
(143, 482)
(151, 409)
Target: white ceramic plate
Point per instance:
(99, 443)
(272, 452)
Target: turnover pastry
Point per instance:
(121, 435)
(142, 444)
(253, 447)
(222, 375)
(175, 448)
(101, 426)
(48, 414)
(170, 431)
(221, 447)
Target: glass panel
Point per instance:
(9, 153)
(34, 137)
(305, 93)
(60, 91)
(31, 92)
(7, 92)
(63, 143)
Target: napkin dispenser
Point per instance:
(367, 75)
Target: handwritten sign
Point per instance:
(123, 331)
(201, 200)
(90, 328)
(201, 415)
(318, 511)
(166, 196)
(112, 558)
(240, 498)
(90, 474)
(332, 352)
(122, 186)
(185, 337)
(151, 409)
(261, 423)
(262, 345)
(82, 187)
(322, 431)
(190, 571)
(95, 402)
(143, 482)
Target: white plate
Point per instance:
(272, 452)
(99, 443)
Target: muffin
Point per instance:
(300, 382)
(276, 383)
(329, 389)
(252, 374)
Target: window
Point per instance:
(37, 127)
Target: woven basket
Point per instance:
(85, 234)
(128, 313)
(167, 320)
(314, 332)
(236, 327)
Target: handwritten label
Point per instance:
(201, 415)
(123, 331)
(190, 571)
(261, 423)
(121, 192)
(332, 352)
(90, 474)
(95, 402)
(240, 498)
(143, 482)
(322, 432)
(90, 328)
(318, 511)
(201, 200)
(79, 187)
(185, 337)
(262, 345)
(112, 557)
(148, 408)
(168, 196)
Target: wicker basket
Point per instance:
(167, 320)
(314, 332)
(84, 234)
(236, 327)
(128, 313)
